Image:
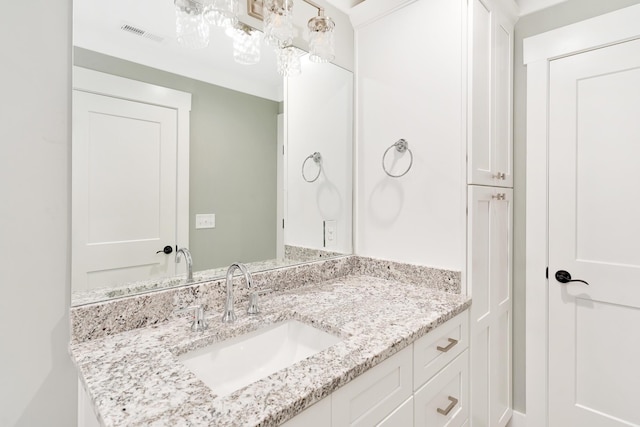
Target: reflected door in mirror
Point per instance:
(123, 190)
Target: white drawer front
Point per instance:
(372, 396)
(317, 415)
(401, 417)
(447, 392)
(433, 351)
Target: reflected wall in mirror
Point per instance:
(249, 135)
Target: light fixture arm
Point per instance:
(317, 6)
(254, 8)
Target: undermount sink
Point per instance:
(229, 365)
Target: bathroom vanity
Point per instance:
(401, 356)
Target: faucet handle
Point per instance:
(253, 301)
(199, 322)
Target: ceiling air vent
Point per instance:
(142, 33)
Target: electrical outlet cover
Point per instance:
(330, 233)
(205, 221)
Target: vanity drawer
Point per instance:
(318, 415)
(401, 417)
(372, 396)
(444, 400)
(439, 347)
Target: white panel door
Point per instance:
(123, 190)
(594, 234)
(489, 283)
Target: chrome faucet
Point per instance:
(229, 315)
(189, 261)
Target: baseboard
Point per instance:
(518, 420)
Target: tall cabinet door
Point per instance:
(489, 283)
(490, 101)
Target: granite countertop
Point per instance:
(134, 378)
(88, 296)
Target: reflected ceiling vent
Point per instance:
(142, 33)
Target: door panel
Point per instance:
(607, 168)
(594, 233)
(606, 359)
(503, 131)
(490, 107)
(481, 149)
(489, 283)
(123, 190)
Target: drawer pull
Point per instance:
(448, 409)
(452, 342)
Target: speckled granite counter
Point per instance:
(134, 378)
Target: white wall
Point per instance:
(566, 13)
(319, 117)
(37, 379)
(409, 85)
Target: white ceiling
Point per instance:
(96, 26)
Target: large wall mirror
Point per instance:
(250, 188)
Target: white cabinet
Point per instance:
(489, 283)
(372, 396)
(425, 384)
(402, 416)
(490, 143)
(435, 350)
(86, 415)
(318, 415)
(489, 226)
(444, 400)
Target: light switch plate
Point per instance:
(205, 221)
(330, 233)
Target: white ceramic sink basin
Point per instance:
(232, 364)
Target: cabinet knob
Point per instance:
(500, 175)
(499, 196)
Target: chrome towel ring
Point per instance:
(317, 158)
(401, 146)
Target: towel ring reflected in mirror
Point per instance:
(317, 159)
(401, 146)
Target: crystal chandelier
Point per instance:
(193, 18)
(277, 16)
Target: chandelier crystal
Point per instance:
(246, 44)
(278, 22)
(222, 13)
(191, 29)
(288, 60)
(321, 38)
